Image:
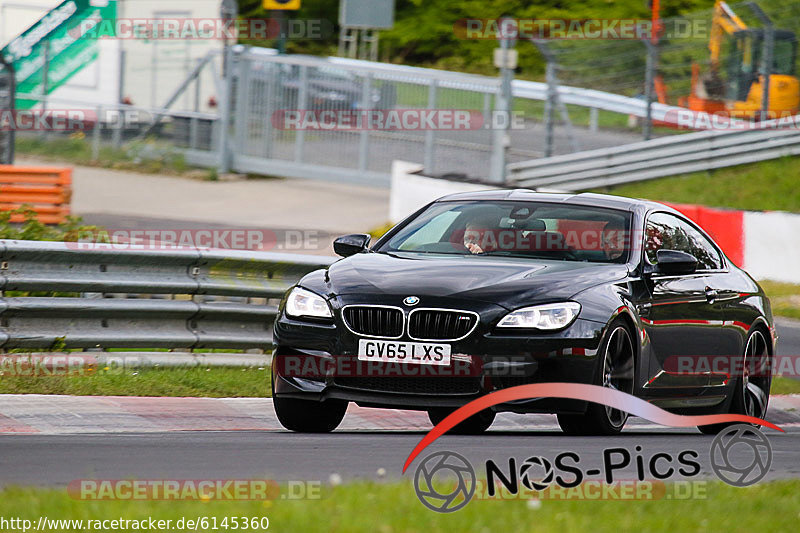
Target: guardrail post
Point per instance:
(430, 135)
(593, 119)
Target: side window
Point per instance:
(431, 232)
(668, 232)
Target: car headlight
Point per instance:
(546, 317)
(303, 303)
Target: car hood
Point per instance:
(509, 282)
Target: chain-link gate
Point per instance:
(7, 96)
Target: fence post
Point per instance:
(9, 88)
(363, 147)
(594, 116)
(549, 107)
(239, 112)
(430, 135)
(224, 164)
(769, 46)
(116, 134)
(302, 105)
(500, 139)
(649, 77)
(96, 135)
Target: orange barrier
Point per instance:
(47, 190)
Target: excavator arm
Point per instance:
(725, 21)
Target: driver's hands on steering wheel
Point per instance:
(474, 248)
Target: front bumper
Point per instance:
(318, 361)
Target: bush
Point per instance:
(33, 230)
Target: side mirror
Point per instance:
(675, 262)
(348, 245)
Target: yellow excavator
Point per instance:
(742, 92)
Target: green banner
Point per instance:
(65, 38)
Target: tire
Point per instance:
(474, 425)
(308, 416)
(616, 369)
(751, 390)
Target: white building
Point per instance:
(153, 67)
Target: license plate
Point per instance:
(403, 352)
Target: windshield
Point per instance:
(516, 229)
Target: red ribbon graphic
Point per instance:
(577, 391)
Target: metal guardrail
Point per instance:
(179, 304)
(668, 156)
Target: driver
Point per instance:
(613, 239)
(473, 235)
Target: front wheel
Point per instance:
(308, 416)
(617, 360)
(474, 425)
(751, 392)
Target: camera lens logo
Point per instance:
(444, 482)
(527, 469)
(741, 455)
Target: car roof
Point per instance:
(584, 198)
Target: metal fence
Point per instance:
(669, 156)
(63, 296)
(7, 99)
(266, 85)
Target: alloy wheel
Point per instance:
(618, 370)
(756, 377)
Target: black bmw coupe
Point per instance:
(481, 291)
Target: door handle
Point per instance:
(711, 295)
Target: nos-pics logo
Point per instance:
(446, 481)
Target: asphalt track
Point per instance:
(51, 441)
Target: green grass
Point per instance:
(214, 382)
(785, 298)
(578, 115)
(765, 186)
(783, 385)
(394, 508)
(148, 157)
